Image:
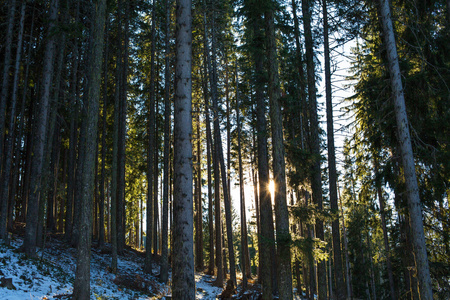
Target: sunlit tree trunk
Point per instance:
(404, 138)
(183, 286)
(283, 237)
(267, 240)
(208, 156)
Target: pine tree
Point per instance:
(183, 284)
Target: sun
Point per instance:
(272, 187)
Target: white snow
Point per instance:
(51, 275)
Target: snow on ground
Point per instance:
(51, 275)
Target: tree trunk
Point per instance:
(121, 215)
(257, 206)
(384, 227)
(219, 153)
(316, 180)
(155, 182)
(208, 153)
(266, 239)
(183, 286)
(301, 76)
(81, 287)
(245, 259)
(114, 167)
(5, 76)
(337, 255)
(72, 139)
(164, 272)
(347, 261)
(279, 165)
(151, 147)
(412, 189)
(198, 196)
(5, 172)
(39, 136)
(101, 233)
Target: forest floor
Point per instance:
(51, 275)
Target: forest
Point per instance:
(284, 149)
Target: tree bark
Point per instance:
(283, 236)
(121, 215)
(316, 180)
(208, 151)
(219, 153)
(39, 136)
(198, 195)
(72, 139)
(266, 238)
(301, 76)
(164, 272)
(5, 75)
(5, 172)
(183, 286)
(151, 147)
(384, 228)
(245, 259)
(81, 287)
(101, 233)
(404, 139)
(332, 180)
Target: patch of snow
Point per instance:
(51, 275)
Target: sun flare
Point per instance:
(272, 187)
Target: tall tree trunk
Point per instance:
(257, 206)
(337, 255)
(155, 185)
(81, 287)
(267, 240)
(219, 152)
(5, 172)
(151, 148)
(347, 261)
(404, 138)
(279, 165)
(183, 286)
(5, 75)
(155, 181)
(245, 259)
(49, 162)
(72, 138)
(39, 136)
(384, 228)
(101, 233)
(208, 155)
(114, 165)
(198, 196)
(316, 181)
(164, 272)
(121, 214)
(301, 76)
